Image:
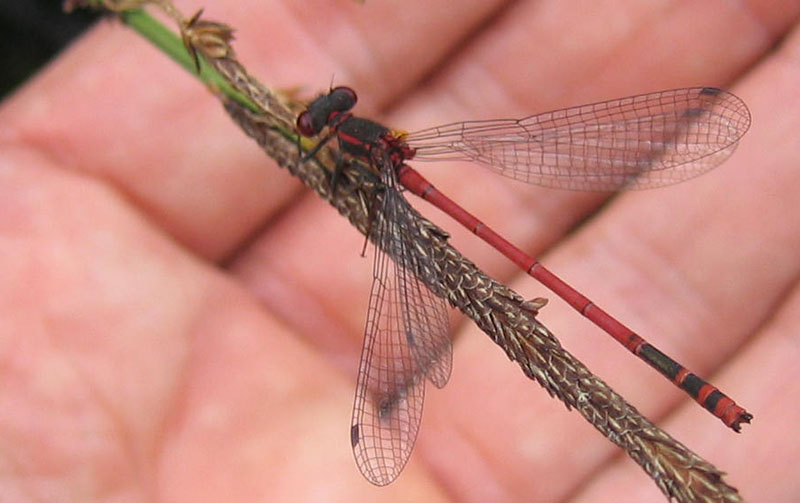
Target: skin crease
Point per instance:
(180, 321)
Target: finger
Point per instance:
(759, 376)
(139, 122)
(130, 367)
(526, 64)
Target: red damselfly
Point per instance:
(641, 141)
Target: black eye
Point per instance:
(305, 125)
(342, 98)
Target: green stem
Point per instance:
(172, 45)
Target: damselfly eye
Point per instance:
(305, 125)
(342, 99)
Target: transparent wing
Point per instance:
(406, 340)
(641, 141)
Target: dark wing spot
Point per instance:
(710, 91)
(355, 435)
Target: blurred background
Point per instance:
(31, 33)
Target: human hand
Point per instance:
(182, 321)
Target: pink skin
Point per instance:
(135, 367)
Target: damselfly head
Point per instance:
(322, 110)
